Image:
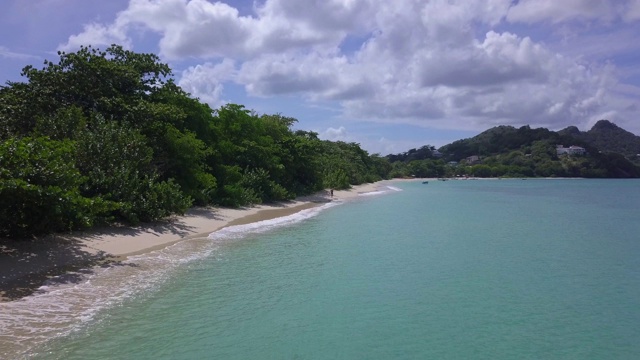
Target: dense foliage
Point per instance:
(107, 136)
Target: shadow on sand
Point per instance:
(26, 265)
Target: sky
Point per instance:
(389, 75)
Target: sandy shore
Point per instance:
(26, 265)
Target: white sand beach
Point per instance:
(26, 265)
(200, 222)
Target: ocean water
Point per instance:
(504, 269)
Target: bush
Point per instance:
(117, 161)
(150, 200)
(259, 182)
(39, 189)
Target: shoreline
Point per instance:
(25, 266)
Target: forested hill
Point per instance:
(107, 136)
(506, 151)
(609, 137)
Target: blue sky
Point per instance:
(390, 75)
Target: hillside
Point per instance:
(609, 137)
(506, 151)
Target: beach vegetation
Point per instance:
(40, 188)
(106, 136)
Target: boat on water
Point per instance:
(425, 182)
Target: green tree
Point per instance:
(40, 189)
(117, 162)
(140, 148)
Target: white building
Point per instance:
(571, 150)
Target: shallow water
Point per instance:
(457, 269)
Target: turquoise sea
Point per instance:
(503, 269)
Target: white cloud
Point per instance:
(328, 15)
(206, 81)
(283, 24)
(500, 58)
(441, 63)
(199, 28)
(473, 83)
(99, 35)
(317, 76)
(532, 11)
(333, 134)
(205, 30)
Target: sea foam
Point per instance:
(238, 231)
(384, 190)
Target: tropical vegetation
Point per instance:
(104, 137)
(107, 136)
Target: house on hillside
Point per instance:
(473, 159)
(571, 150)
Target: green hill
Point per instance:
(506, 151)
(609, 137)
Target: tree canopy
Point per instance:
(107, 136)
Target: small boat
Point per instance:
(425, 182)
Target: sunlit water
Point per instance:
(504, 269)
